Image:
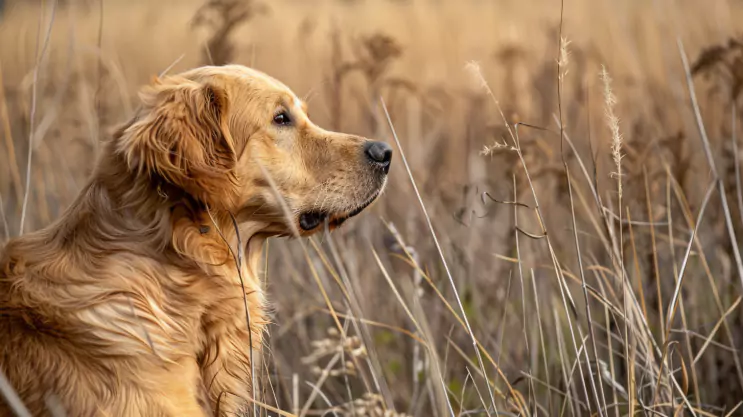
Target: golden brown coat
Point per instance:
(136, 301)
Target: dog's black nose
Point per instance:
(379, 153)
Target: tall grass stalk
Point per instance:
(441, 253)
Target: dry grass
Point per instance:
(586, 262)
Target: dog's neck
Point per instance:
(165, 220)
(187, 241)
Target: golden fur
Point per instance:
(133, 302)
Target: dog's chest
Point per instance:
(171, 313)
(237, 300)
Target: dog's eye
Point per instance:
(282, 119)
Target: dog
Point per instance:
(143, 298)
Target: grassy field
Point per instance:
(581, 177)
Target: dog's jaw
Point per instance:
(310, 221)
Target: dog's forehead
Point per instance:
(264, 81)
(260, 79)
(255, 79)
(241, 76)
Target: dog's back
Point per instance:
(39, 354)
(69, 333)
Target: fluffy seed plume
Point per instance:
(612, 121)
(474, 69)
(564, 58)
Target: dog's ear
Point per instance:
(181, 137)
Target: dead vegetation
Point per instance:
(222, 18)
(586, 262)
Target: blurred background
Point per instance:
(587, 209)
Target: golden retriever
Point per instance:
(136, 301)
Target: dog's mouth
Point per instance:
(310, 220)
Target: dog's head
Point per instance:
(236, 139)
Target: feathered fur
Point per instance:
(133, 302)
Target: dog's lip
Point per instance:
(312, 219)
(337, 221)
